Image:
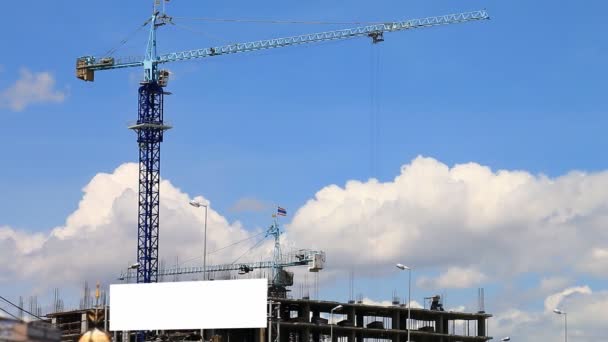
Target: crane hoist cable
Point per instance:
(225, 247)
(249, 250)
(374, 116)
(236, 243)
(374, 136)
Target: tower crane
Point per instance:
(150, 126)
(280, 278)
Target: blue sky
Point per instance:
(523, 91)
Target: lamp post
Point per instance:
(409, 297)
(132, 267)
(331, 324)
(206, 206)
(560, 312)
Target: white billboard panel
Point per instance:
(218, 304)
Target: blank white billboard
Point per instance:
(217, 304)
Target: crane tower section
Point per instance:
(149, 128)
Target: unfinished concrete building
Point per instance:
(304, 320)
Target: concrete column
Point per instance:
(396, 321)
(284, 334)
(350, 314)
(352, 317)
(396, 324)
(316, 336)
(359, 320)
(306, 313)
(396, 337)
(84, 326)
(439, 328)
(306, 335)
(284, 312)
(481, 327)
(359, 323)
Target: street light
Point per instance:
(560, 312)
(506, 338)
(409, 297)
(134, 266)
(331, 319)
(198, 205)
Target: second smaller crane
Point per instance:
(280, 278)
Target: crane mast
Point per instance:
(150, 125)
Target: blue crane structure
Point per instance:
(279, 278)
(150, 125)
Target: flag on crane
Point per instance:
(281, 211)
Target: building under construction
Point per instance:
(289, 319)
(298, 320)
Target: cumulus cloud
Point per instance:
(98, 239)
(454, 277)
(586, 318)
(550, 284)
(595, 261)
(369, 301)
(469, 223)
(433, 216)
(31, 88)
(555, 300)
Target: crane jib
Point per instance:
(325, 36)
(86, 65)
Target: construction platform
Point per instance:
(304, 320)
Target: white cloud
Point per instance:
(500, 223)
(473, 224)
(29, 89)
(454, 277)
(369, 301)
(596, 261)
(550, 284)
(586, 318)
(555, 300)
(99, 238)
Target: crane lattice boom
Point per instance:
(374, 31)
(314, 259)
